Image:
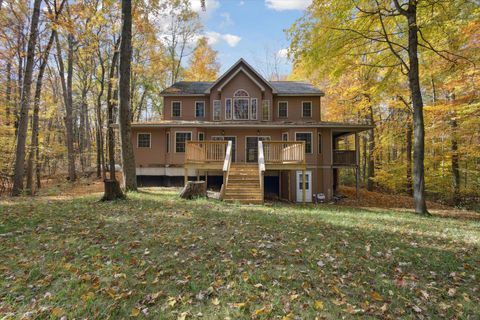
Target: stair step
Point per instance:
(245, 201)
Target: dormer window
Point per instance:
(241, 102)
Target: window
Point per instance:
(176, 108)
(253, 109)
(217, 106)
(180, 140)
(199, 109)
(241, 105)
(285, 136)
(282, 109)
(307, 109)
(307, 137)
(319, 143)
(168, 142)
(266, 110)
(143, 140)
(201, 136)
(228, 109)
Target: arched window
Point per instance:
(241, 102)
(241, 93)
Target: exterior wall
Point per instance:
(188, 108)
(295, 108)
(157, 161)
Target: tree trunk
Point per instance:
(67, 100)
(19, 170)
(418, 122)
(8, 93)
(455, 161)
(128, 158)
(35, 122)
(409, 188)
(99, 133)
(111, 104)
(371, 150)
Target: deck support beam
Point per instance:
(357, 164)
(185, 172)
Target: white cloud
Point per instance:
(283, 53)
(281, 5)
(215, 37)
(226, 20)
(241, 3)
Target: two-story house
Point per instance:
(248, 135)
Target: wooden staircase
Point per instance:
(243, 184)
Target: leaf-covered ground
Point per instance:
(156, 256)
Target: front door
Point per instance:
(234, 144)
(252, 148)
(308, 186)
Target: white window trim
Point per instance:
(180, 109)
(269, 138)
(284, 133)
(203, 102)
(250, 109)
(138, 140)
(231, 109)
(198, 135)
(278, 107)
(175, 141)
(236, 143)
(213, 110)
(235, 93)
(269, 110)
(312, 141)
(311, 109)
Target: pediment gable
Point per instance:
(241, 66)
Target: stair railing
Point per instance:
(261, 167)
(226, 168)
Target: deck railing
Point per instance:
(344, 157)
(205, 151)
(284, 152)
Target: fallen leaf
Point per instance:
(376, 296)
(135, 312)
(215, 301)
(57, 312)
(318, 305)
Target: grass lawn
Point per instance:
(156, 256)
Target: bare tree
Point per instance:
(19, 170)
(128, 158)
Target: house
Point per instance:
(247, 135)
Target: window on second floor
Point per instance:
(176, 109)
(199, 109)
(217, 109)
(181, 139)
(307, 109)
(228, 109)
(241, 105)
(266, 110)
(319, 143)
(143, 140)
(282, 109)
(307, 137)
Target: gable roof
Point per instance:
(200, 88)
(249, 67)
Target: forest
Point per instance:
(60, 90)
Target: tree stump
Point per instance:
(112, 191)
(194, 189)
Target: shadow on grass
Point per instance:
(165, 255)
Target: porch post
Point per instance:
(206, 178)
(198, 175)
(185, 171)
(304, 191)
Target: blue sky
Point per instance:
(250, 29)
